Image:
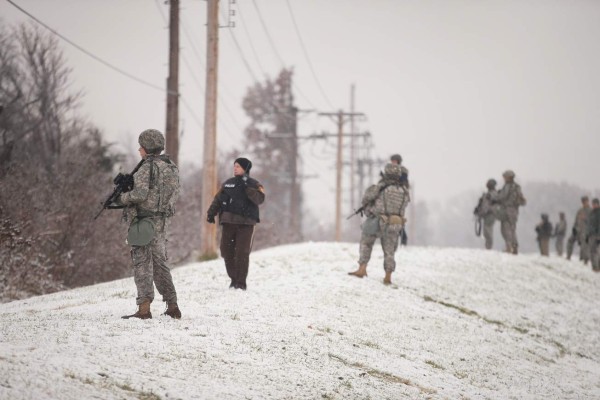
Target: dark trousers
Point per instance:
(236, 244)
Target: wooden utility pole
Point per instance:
(172, 128)
(295, 188)
(352, 148)
(208, 247)
(340, 116)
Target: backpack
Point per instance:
(167, 177)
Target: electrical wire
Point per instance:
(310, 64)
(105, 63)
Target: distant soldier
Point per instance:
(236, 204)
(560, 231)
(149, 206)
(579, 232)
(384, 205)
(544, 233)
(510, 198)
(485, 211)
(594, 235)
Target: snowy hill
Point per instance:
(460, 324)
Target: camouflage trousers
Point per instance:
(560, 244)
(508, 227)
(544, 245)
(488, 231)
(584, 251)
(594, 246)
(388, 235)
(150, 266)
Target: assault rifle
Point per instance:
(123, 184)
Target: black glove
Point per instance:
(124, 181)
(210, 219)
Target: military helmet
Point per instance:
(491, 183)
(397, 158)
(544, 216)
(152, 141)
(509, 173)
(392, 170)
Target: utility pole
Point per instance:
(340, 117)
(295, 189)
(352, 148)
(172, 128)
(208, 246)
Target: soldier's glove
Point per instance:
(210, 219)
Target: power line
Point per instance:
(102, 61)
(272, 43)
(78, 47)
(239, 9)
(312, 70)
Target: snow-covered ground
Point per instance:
(460, 324)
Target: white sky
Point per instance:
(462, 89)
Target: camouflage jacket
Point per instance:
(560, 229)
(510, 196)
(385, 198)
(594, 223)
(581, 219)
(486, 205)
(155, 189)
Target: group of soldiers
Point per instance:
(503, 205)
(585, 233)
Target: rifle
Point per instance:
(360, 211)
(123, 184)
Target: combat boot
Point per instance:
(173, 311)
(360, 272)
(143, 312)
(388, 278)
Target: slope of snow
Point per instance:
(461, 324)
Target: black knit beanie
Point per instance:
(244, 163)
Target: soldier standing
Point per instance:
(237, 203)
(384, 205)
(544, 233)
(151, 201)
(560, 231)
(485, 210)
(510, 198)
(594, 235)
(579, 232)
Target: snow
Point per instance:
(459, 324)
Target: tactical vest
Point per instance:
(236, 201)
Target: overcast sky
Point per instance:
(462, 89)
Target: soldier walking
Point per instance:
(510, 198)
(384, 205)
(560, 231)
(236, 204)
(579, 231)
(485, 211)
(150, 205)
(544, 233)
(594, 235)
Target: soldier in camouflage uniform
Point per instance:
(510, 198)
(384, 205)
(579, 232)
(594, 235)
(486, 211)
(154, 193)
(560, 231)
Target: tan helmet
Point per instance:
(509, 173)
(152, 141)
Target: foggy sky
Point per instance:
(462, 89)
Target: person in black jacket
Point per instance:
(544, 233)
(236, 204)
